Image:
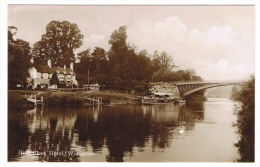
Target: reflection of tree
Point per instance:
(191, 113)
(123, 129)
(89, 130)
(162, 120)
(18, 134)
(50, 133)
(120, 129)
(55, 138)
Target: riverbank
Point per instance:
(17, 100)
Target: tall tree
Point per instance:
(100, 61)
(58, 43)
(18, 59)
(166, 61)
(117, 52)
(85, 62)
(246, 122)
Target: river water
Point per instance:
(195, 132)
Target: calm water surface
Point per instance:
(195, 132)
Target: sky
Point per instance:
(218, 42)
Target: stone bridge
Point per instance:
(189, 88)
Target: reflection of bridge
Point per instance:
(186, 89)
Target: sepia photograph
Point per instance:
(131, 83)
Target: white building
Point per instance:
(40, 75)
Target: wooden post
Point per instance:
(42, 100)
(35, 100)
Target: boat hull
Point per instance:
(157, 101)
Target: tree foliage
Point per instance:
(58, 43)
(18, 59)
(246, 122)
(54, 79)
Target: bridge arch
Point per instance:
(186, 89)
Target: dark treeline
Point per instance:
(122, 67)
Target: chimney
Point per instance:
(71, 66)
(49, 63)
(64, 67)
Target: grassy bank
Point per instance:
(79, 98)
(16, 98)
(62, 99)
(17, 101)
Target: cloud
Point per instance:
(151, 35)
(171, 28)
(220, 65)
(93, 38)
(215, 37)
(221, 70)
(196, 38)
(223, 36)
(213, 53)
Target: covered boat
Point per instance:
(158, 98)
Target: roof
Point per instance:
(47, 69)
(163, 94)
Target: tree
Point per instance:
(144, 69)
(85, 62)
(54, 79)
(246, 122)
(166, 61)
(92, 67)
(117, 53)
(58, 43)
(18, 59)
(100, 61)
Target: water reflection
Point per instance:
(122, 130)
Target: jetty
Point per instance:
(93, 101)
(33, 99)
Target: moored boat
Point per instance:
(158, 98)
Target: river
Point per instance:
(195, 132)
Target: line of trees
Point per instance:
(122, 67)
